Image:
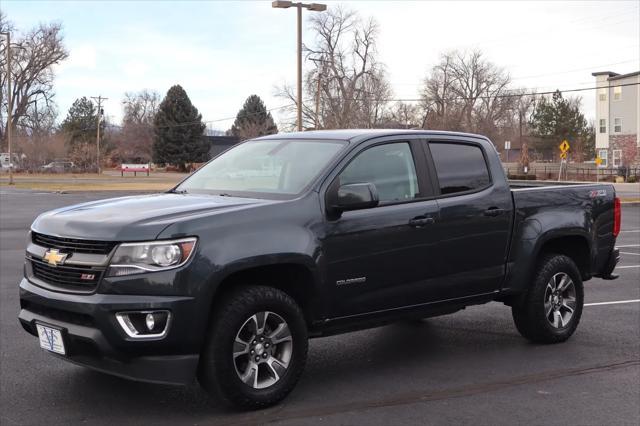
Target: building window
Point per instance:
(603, 94)
(617, 158)
(603, 154)
(617, 125)
(617, 93)
(603, 125)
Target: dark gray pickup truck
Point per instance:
(291, 236)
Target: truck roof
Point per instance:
(358, 135)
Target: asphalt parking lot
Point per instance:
(470, 367)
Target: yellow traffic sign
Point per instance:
(598, 161)
(564, 146)
(563, 155)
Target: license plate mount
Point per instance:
(51, 339)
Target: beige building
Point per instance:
(617, 118)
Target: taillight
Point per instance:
(617, 216)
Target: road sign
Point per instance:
(507, 144)
(564, 146)
(563, 155)
(598, 161)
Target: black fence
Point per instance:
(577, 173)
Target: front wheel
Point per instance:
(256, 348)
(551, 309)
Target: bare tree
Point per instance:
(347, 85)
(33, 56)
(403, 115)
(135, 140)
(465, 92)
(140, 107)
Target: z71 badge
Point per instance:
(598, 193)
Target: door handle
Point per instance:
(420, 221)
(493, 211)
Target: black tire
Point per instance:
(218, 372)
(530, 315)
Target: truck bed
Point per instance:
(583, 211)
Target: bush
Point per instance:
(632, 179)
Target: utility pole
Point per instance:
(99, 98)
(9, 105)
(318, 102)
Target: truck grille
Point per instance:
(73, 245)
(71, 278)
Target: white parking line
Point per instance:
(626, 252)
(627, 266)
(628, 245)
(617, 302)
(633, 230)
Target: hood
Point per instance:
(133, 218)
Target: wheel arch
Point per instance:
(294, 277)
(574, 246)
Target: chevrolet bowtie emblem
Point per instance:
(54, 257)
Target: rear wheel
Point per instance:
(551, 309)
(256, 348)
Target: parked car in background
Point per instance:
(6, 163)
(59, 167)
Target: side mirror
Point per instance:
(356, 196)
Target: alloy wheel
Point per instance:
(262, 350)
(560, 300)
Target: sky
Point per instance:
(222, 52)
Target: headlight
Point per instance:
(137, 258)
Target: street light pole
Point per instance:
(299, 7)
(9, 104)
(316, 7)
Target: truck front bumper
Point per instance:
(93, 337)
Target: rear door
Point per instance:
(475, 217)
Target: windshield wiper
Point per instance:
(178, 191)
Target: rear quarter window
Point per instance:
(460, 167)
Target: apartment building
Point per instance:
(617, 118)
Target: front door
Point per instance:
(383, 258)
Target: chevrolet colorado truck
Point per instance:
(225, 277)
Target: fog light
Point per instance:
(150, 322)
(144, 324)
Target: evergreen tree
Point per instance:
(253, 120)
(80, 123)
(79, 130)
(558, 119)
(178, 131)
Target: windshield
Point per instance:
(270, 167)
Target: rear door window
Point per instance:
(460, 167)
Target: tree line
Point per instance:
(346, 86)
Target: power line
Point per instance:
(512, 95)
(637, 61)
(506, 95)
(576, 70)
